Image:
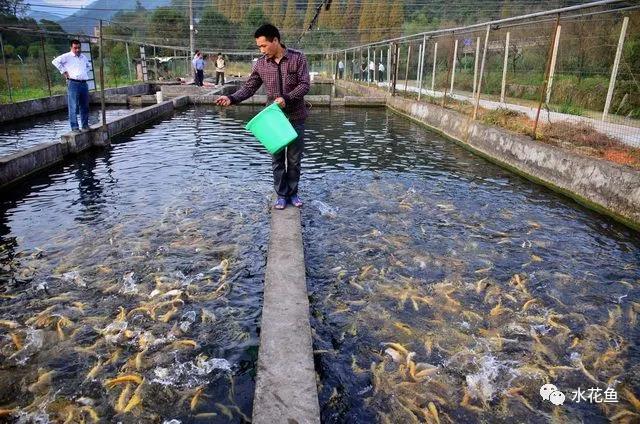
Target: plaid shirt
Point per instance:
(289, 79)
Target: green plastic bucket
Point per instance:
(272, 128)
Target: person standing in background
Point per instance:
(220, 64)
(75, 67)
(198, 67)
(340, 70)
(380, 72)
(372, 71)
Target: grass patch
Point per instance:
(587, 140)
(568, 108)
(580, 138)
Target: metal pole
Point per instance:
(44, 61)
(375, 68)
(484, 56)
(344, 70)
(192, 42)
(433, 73)
(6, 70)
(614, 71)
(475, 67)
(449, 69)
(406, 72)
(455, 61)
(360, 66)
(504, 68)
(424, 54)
(546, 75)
(126, 45)
(368, 60)
(104, 113)
(552, 71)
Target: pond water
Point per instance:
(440, 284)
(25, 133)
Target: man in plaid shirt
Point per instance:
(286, 75)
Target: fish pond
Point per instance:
(442, 288)
(26, 133)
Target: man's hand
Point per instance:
(66, 75)
(280, 102)
(223, 101)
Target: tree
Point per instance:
(351, 15)
(252, 20)
(16, 8)
(169, 25)
(213, 27)
(367, 17)
(276, 13)
(396, 18)
(291, 24)
(309, 13)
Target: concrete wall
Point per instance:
(22, 164)
(28, 108)
(601, 185)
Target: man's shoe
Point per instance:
(280, 203)
(75, 130)
(295, 201)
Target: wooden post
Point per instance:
(389, 66)
(418, 67)
(155, 62)
(126, 45)
(484, 57)
(552, 71)
(455, 61)
(475, 67)
(44, 61)
(104, 113)
(6, 70)
(433, 73)
(614, 71)
(546, 75)
(406, 73)
(424, 54)
(504, 68)
(395, 64)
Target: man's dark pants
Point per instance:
(286, 165)
(199, 77)
(219, 76)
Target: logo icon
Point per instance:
(551, 393)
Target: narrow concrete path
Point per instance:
(286, 389)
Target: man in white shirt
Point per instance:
(372, 70)
(75, 67)
(380, 72)
(340, 70)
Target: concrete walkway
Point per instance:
(286, 389)
(627, 134)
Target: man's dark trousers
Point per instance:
(286, 165)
